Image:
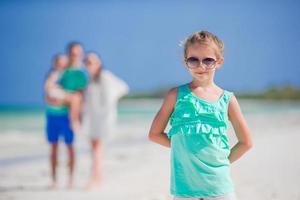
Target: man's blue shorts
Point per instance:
(59, 125)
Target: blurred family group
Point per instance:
(81, 97)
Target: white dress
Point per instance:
(100, 104)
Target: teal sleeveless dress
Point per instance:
(199, 146)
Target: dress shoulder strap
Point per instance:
(182, 91)
(227, 95)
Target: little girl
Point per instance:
(199, 113)
(52, 88)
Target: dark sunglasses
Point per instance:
(194, 62)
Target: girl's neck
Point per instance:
(202, 84)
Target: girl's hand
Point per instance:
(156, 133)
(241, 130)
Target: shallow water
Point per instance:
(32, 120)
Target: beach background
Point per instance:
(134, 168)
(139, 42)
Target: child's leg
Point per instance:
(71, 163)
(53, 161)
(75, 102)
(96, 164)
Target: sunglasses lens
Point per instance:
(192, 62)
(209, 62)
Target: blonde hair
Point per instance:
(95, 56)
(206, 38)
(56, 59)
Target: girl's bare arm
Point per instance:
(241, 130)
(156, 133)
(49, 83)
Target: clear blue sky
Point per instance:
(139, 41)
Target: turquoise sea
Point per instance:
(27, 119)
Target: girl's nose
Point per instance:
(200, 68)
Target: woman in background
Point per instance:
(100, 109)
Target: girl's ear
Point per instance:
(220, 61)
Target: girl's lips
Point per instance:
(201, 73)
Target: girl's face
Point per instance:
(201, 61)
(61, 63)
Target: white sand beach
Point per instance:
(135, 169)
